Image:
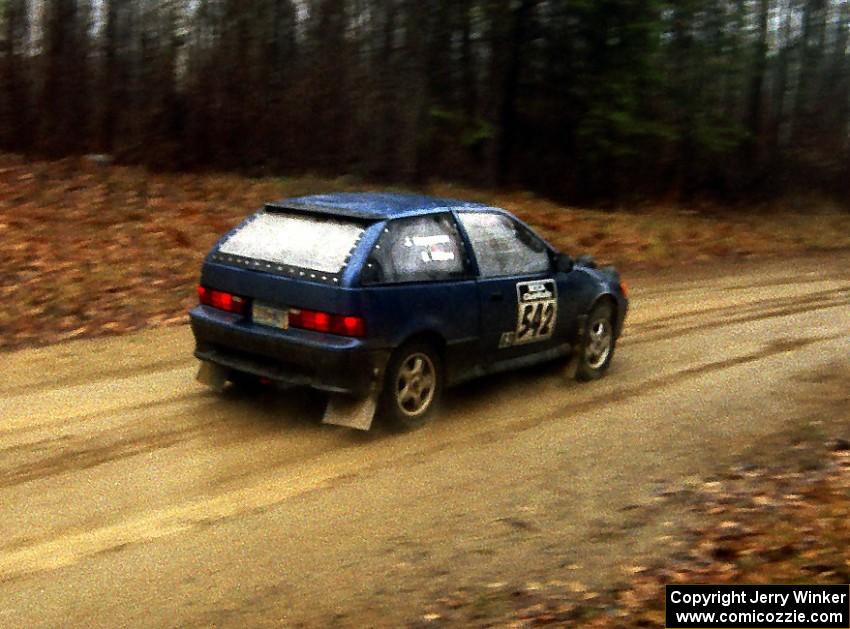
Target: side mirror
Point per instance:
(563, 263)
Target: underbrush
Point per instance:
(92, 249)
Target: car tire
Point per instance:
(413, 387)
(596, 348)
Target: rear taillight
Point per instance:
(222, 300)
(344, 325)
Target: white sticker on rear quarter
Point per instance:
(435, 248)
(427, 241)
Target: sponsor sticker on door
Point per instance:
(537, 311)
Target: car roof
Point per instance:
(371, 205)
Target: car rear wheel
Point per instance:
(597, 344)
(412, 386)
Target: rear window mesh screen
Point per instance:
(309, 242)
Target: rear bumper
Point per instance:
(299, 357)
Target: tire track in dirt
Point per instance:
(70, 454)
(232, 463)
(668, 291)
(79, 454)
(52, 553)
(623, 394)
(797, 307)
(661, 322)
(77, 380)
(177, 400)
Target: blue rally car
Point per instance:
(385, 299)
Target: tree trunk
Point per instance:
(15, 107)
(110, 81)
(510, 89)
(754, 112)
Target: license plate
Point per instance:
(271, 316)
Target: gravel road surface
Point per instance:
(132, 496)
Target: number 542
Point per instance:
(535, 321)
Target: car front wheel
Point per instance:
(412, 386)
(597, 344)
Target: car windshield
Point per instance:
(306, 241)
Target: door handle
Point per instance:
(497, 296)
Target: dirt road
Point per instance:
(131, 496)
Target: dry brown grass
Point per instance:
(90, 249)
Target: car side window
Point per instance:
(417, 249)
(503, 246)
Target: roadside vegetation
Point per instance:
(760, 525)
(581, 101)
(781, 515)
(92, 249)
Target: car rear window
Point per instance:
(306, 241)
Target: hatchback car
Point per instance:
(386, 299)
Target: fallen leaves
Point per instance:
(115, 249)
(789, 526)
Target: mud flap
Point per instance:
(357, 412)
(212, 375)
(351, 412)
(572, 366)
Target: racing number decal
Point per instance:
(537, 311)
(536, 320)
